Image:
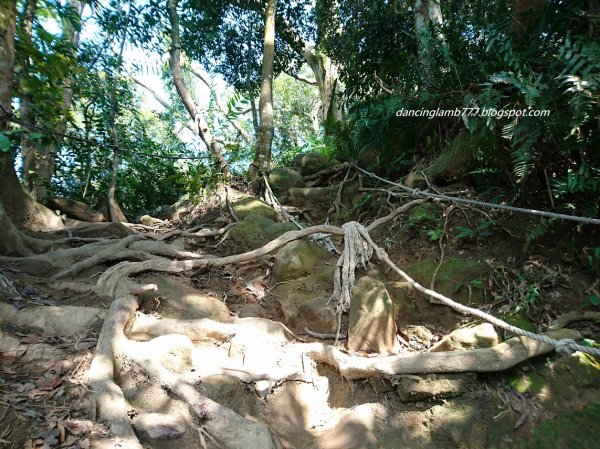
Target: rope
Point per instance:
(565, 346)
(356, 252)
(9, 117)
(540, 213)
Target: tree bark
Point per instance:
(427, 13)
(249, 88)
(264, 141)
(38, 162)
(328, 109)
(23, 208)
(29, 147)
(193, 109)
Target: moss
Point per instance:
(296, 259)
(250, 232)
(531, 382)
(277, 229)
(573, 429)
(518, 320)
(281, 179)
(457, 278)
(254, 206)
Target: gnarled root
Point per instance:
(231, 430)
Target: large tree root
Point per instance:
(109, 281)
(497, 358)
(232, 431)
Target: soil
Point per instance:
(46, 402)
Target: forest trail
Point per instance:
(217, 328)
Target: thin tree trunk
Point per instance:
(38, 162)
(262, 155)
(193, 110)
(114, 210)
(245, 136)
(249, 88)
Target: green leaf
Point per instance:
(465, 233)
(594, 299)
(435, 234)
(4, 143)
(36, 135)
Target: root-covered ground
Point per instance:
(179, 334)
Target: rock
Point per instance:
(282, 178)
(458, 278)
(311, 163)
(371, 326)
(318, 315)
(482, 336)
(252, 205)
(277, 229)
(460, 426)
(250, 232)
(158, 426)
(227, 391)
(76, 209)
(316, 201)
(439, 386)
(311, 197)
(297, 259)
(185, 298)
(150, 221)
(309, 294)
(255, 231)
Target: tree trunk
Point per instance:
(16, 206)
(29, 147)
(249, 88)
(193, 109)
(526, 14)
(241, 131)
(326, 75)
(427, 13)
(114, 210)
(264, 141)
(38, 163)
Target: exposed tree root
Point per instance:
(193, 233)
(205, 328)
(497, 358)
(231, 430)
(109, 280)
(570, 317)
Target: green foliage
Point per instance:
(4, 143)
(482, 230)
(482, 63)
(435, 234)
